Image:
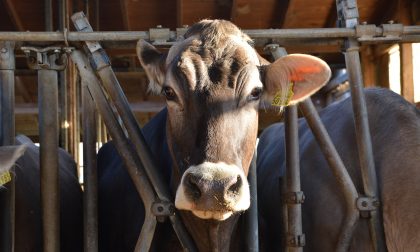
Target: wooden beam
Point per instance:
(14, 16)
(331, 20)
(407, 82)
(368, 66)
(124, 14)
(239, 8)
(180, 13)
(280, 14)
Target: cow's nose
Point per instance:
(223, 190)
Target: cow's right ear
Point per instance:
(153, 62)
(9, 155)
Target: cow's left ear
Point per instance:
(153, 62)
(293, 78)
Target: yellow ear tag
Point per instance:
(280, 99)
(5, 178)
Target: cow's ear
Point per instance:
(9, 155)
(153, 62)
(293, 78)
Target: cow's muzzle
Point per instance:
(213, 191)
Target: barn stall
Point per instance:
(39, 37)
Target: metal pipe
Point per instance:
(90, 172)
(7, 137)
(251, 214)
(122, 144)
(338, 169)
(48, 134)
(294, 209)
(312, 33)
(48, 15)
(364, 144)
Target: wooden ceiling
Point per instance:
(141, 15)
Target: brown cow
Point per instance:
(214, 82)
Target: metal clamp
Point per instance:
(53, 58)
(163, 209)
(296, 240)
(294, 197)
(366, 205)
(159, 34)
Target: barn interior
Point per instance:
(378, 59)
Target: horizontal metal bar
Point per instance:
(305, 33)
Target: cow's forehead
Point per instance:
(232, 43)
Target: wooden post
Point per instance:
(407, 82)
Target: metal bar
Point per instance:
(123, 146)
(48, 15)
(339, 171)
(364, 144)
(294, 210)
(90, 172)
(348, 17)
(48, 134)
(102, 67)
(7, 137)
(251, 214)
(62, 78)
(295, 239)
(312, 33)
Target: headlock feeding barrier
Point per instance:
(102, 94)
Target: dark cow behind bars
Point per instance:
(395, 130)
(28, 234)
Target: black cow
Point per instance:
(395, 129)
(28, 210)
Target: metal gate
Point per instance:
(107, 94)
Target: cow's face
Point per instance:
(213, 84)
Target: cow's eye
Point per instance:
(169, 93)
(255, 94)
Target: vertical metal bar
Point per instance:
(90, 174)
(252, 212)
(7, 137)
(348, 17)
(123, 147)
(48, 133)
(364, 144)
(340, 172)
(294, 210)
(295, 239)
(48, 15)
(62, 78)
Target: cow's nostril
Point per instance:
(193, 187)
(236, 185)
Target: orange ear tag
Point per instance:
(5, 178)
(281, 99)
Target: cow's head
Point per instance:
(214, 81)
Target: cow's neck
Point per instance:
(210, 235)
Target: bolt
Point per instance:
(4, 50)
(390, 21)
(364, 23)
(160, 208)
(56, 50)
(159, 26)
(364, 204)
